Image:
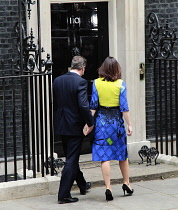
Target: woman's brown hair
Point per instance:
(110, 69)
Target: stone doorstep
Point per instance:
(29, 187)
(157, 176)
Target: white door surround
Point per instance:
(126, 44)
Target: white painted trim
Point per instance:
(112, 22)
(126, 44)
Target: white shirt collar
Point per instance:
(74, 72)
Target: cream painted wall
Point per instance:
(126, 44)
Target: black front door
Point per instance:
(79, 29)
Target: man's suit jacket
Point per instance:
(70, 92)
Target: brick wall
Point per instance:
(165, 10)
(8, 60)
(8, 36)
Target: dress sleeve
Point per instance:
(94, 98)
(123, 98)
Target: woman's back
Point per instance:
(108, 92)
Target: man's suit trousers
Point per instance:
(71, 171)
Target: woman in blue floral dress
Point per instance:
(109, 104)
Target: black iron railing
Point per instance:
(165, 63)
(26, 124)
(26, 101)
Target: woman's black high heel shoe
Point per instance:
(127, 189)
(108, 194)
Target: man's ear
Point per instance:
(83, 69)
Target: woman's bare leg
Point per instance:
(124, 166)
(105, 168)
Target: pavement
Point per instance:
(155, 188)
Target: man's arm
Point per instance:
(84, 104)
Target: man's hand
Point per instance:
(87, 130)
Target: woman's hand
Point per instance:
(129, 130)
(129, 126)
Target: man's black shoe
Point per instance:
(88, 186)
(67, 200)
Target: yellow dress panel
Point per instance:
(108, 92)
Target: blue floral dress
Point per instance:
(109, 99)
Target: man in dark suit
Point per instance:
(70, 92)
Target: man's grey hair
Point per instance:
(78, 62)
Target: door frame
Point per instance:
(127, 44)
(46, 22)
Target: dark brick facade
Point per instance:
(8, 36)
(9, 16)
(165, 10)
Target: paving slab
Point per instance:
(148, 195)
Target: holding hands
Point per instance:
(87, 130)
